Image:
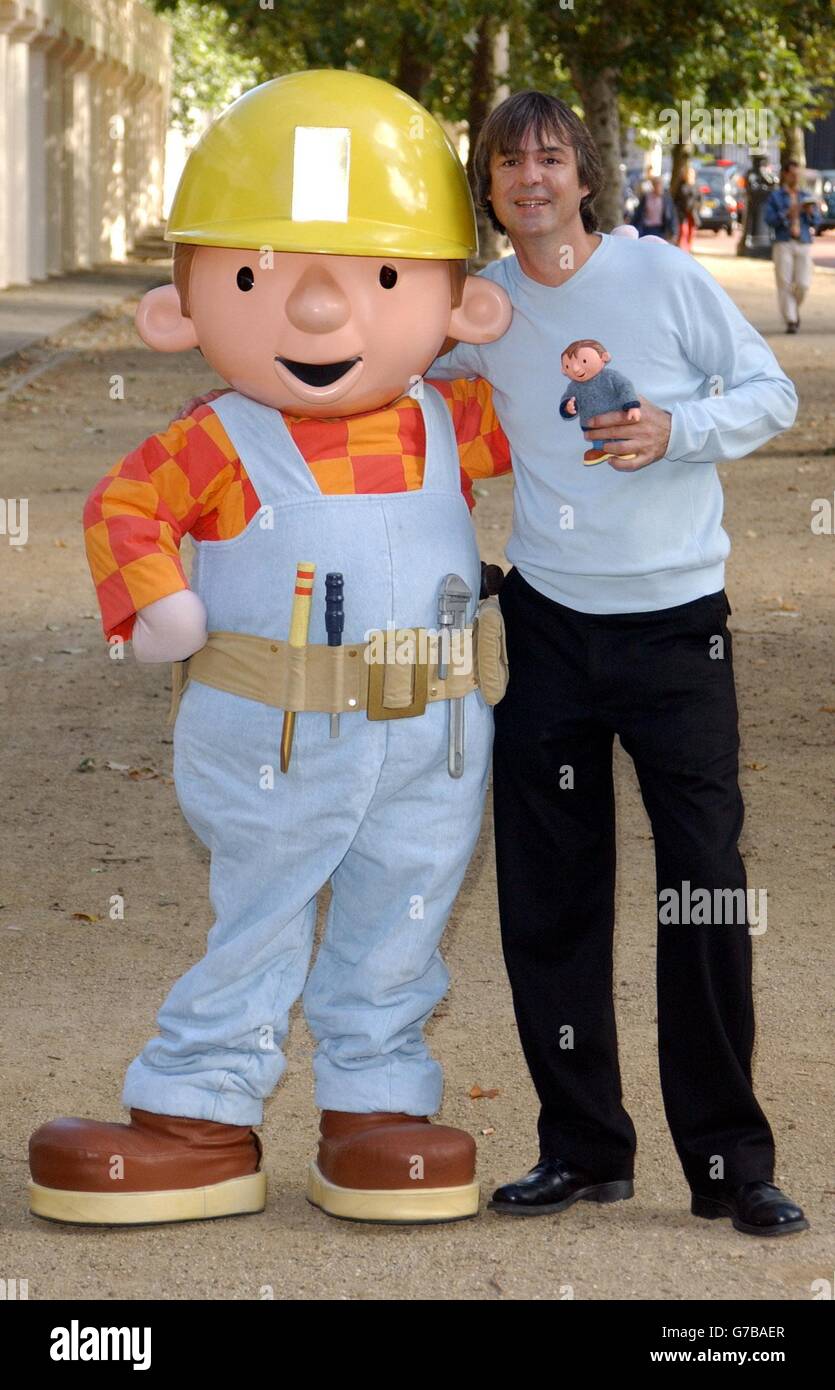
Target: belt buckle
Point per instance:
(420, 683)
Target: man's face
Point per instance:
(792, 176)
(318, 335)
(535, 191)
(658, 186)
(583, 364)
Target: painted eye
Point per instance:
(245, 278)
(388, 277)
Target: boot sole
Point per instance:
(235, 1197)
(713, 1210)
(393, 1206)
(600, 1192)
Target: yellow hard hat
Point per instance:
(326, 161)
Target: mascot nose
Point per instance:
(317, 304)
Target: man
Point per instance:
(656, 214)
(616, 624)
(793, 216)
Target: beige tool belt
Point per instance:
(392, 676)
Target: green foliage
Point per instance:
(210, 67)
(742, 53)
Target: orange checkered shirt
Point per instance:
(190, 479)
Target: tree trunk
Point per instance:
(680, 161)
(598, 92)
(413, 69)
(482, 99)
(792, 145)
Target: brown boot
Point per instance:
(394, 1168)
(157, 1168)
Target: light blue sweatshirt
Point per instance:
(592, 538)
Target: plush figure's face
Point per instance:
(584, 363)
(317, 334)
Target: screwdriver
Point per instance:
(334, 623)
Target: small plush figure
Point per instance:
(596, 389)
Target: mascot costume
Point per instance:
(333, 671)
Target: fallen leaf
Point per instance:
(83, 917)
(476, 1093)
(756, 767)
(826, 709)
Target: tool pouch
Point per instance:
(491, 651)
(179, 681)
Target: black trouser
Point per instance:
(663, 682)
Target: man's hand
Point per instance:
(190, 406)
(646, 438)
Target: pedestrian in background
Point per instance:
(656, 215)
(792, 214)
(687, 201)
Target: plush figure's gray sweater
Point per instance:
(608, 390)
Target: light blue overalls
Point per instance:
(375, 810)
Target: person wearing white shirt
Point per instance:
(616, 618)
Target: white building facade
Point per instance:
(84, 91)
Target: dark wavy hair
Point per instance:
(505, 129)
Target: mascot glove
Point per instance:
(171, 629)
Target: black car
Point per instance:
(721, 205)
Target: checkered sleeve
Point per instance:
(188, 479)
(483, 446)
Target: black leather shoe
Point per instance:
(757, 1208)
(554, 1185)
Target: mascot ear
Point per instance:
(484, 313)
(161, 324)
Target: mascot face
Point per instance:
(320, 335)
